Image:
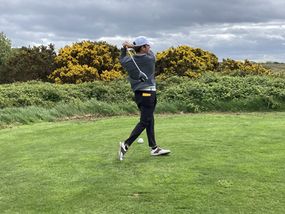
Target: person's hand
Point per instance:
(143, 77)
(126, 44)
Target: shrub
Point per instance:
(238, 68)
(185, 61)
(48, 94)
(210, 92)
(87, 61)
(214, 93)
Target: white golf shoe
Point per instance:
(122, 151)
(159, 151)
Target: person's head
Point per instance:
(141, 45)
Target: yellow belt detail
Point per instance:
(146, 94)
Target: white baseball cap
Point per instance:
(140, 41)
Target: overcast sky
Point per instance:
(237, 29)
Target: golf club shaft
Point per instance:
(136, 63)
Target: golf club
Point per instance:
(144, 78)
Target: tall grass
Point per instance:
(32, 114)
(94, 108)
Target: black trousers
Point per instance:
(146, 102)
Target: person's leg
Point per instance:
(135, 133)
(150, 127)
(155, 149)
(150, 133)
(146, 103)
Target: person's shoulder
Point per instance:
(150, 55)
(127, 61)
(126, 58)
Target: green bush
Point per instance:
(48, 94)
(207, 93)
(210, 92)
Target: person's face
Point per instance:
(146, 48)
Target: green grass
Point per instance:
(220, 163)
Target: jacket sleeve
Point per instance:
(123, 56)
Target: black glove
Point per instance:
(143, 77)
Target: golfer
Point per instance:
(141, 69)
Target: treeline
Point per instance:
(88, 61)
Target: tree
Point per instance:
(29, 63)
(5, 48)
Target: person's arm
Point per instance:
(123, 56)
(134, 71)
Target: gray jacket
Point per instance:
(146, 63)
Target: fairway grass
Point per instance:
(220, 163)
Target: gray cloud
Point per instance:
(241, 29)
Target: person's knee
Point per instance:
(146, 121)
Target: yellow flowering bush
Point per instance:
(185, 61)
(111, 75)
(239, 68)
(87, 61)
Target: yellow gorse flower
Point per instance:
(87, 61)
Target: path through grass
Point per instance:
(220, 163)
